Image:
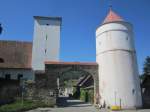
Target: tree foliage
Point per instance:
(146, 69)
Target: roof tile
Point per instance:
(111, 17)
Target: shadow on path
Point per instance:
(62, 101)
(70, 102)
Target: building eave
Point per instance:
(47, 18)
(119, 22)
(70, 63)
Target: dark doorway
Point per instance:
(7, 76)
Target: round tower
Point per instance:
(119, 83)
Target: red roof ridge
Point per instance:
(111, 17)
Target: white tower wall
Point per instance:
(118, 73)
(46, 41)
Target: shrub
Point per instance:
(83, 95)
(17, 106)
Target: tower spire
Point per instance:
(112, 16)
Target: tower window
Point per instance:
(46, 37)
(47, 24)
(7, 76)
(133, 91)
(45, 51)
(126, 38)
(1, 60)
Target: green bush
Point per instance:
(87, 95)
(91, 96)
(17, 106)
(82, 95)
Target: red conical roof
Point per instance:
(111, 17)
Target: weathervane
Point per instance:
(110, 4)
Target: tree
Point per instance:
(1, 29)
(146, 69)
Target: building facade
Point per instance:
(15, 60)
(117, 84)
(21, 59)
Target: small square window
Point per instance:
(19, 76)
(1, 60)
(133, 91)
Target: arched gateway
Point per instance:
(46, 82)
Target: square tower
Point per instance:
(46, 41)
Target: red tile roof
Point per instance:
(15, 54)
(111, 17)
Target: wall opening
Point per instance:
(78, 84)
(19, 76)
(1, 60)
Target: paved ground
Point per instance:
(143, 110)
(71, 105)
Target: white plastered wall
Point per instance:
(118, 74)
(46, 42)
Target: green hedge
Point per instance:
(83, 95)
(87, 95)
(18, 107)
(91, 95)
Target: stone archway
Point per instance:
(46, 82)
(70, 81)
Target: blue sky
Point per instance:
(80, 20)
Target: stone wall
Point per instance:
(41, 90)
(146, 97)
(57, 70)
(45, 86)
(9, 90)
